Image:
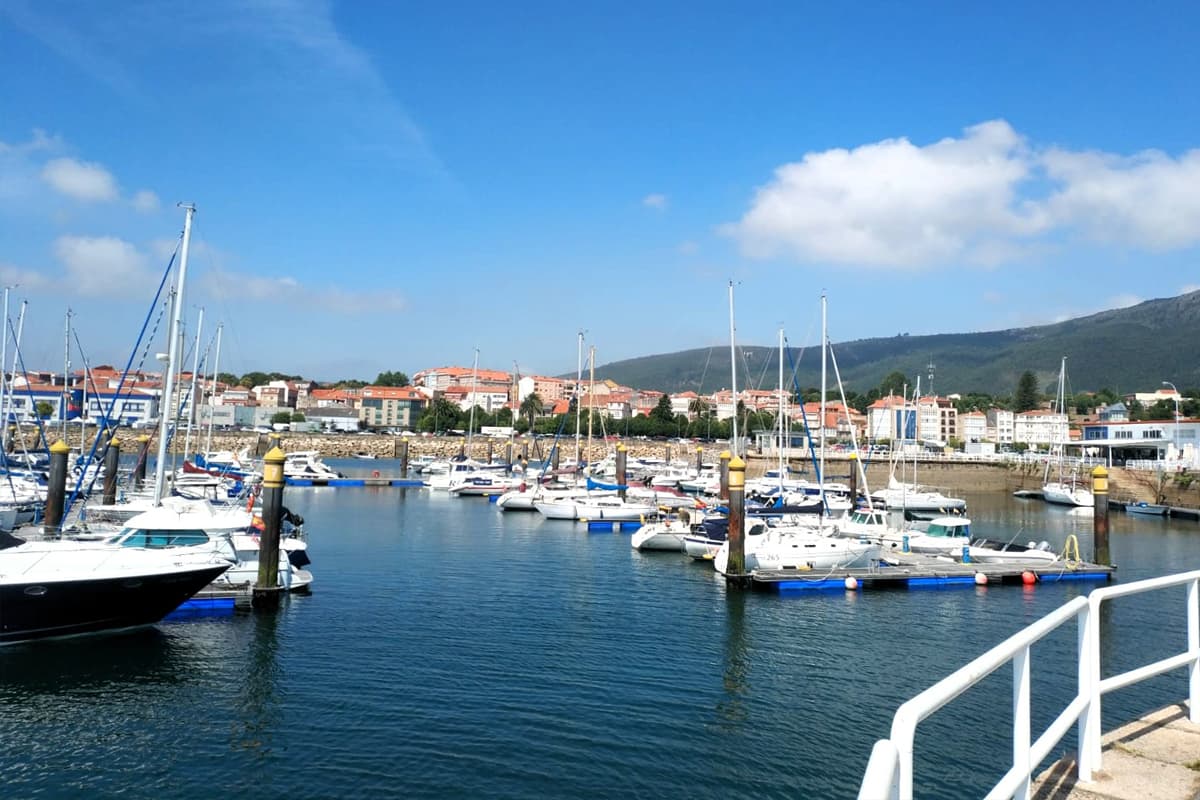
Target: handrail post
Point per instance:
(1086, 679)
(1021, 721)
(903, 740)
(1193, 642)
(1091, 748)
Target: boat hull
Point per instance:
(42, 609)
(1066, 495)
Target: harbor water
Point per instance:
(452, 650)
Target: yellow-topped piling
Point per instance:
(1100, 554)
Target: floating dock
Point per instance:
(403, 483)
(916, 571)
(214, 600)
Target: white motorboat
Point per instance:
(195, 527)
(772, 548)
(594, 508)
(483, 484)
(939, 536)
(64, 588)
(1147, 509)
(307, 465)
(990, 551)
(457, 471)
(662, 534)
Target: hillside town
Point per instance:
(931, 422)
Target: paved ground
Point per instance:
(1154, 758)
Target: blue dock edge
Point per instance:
(610, 525)
(838, 584)
(202, 607)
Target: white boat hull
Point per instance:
(1064, 494)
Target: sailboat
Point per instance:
(1064, 491)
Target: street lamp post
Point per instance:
(1176, 391)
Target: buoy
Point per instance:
(1028, 578)
(374, 473)
(851, 582)
(980, 579)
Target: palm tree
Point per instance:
(531, 407)
(698, 407)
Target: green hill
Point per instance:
(1127, 349)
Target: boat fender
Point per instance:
(374, 473)
(981, 579)
(1029, 578)
(851, 582)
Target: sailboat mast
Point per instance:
(591, 397)
(578, 404)
(780, 441)
(733, 442)
(4, 379)
(213, 393)
(64, 402)
(474, 399)
(192, 418)
(168, 403)
(821, 421)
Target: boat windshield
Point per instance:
(867, 518)
(146, 537)
(952, 530)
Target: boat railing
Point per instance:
(889, 772)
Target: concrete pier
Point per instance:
(1153, 758)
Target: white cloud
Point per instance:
(27, 279)
(240, 287)
(102, 265)
(988, 197)
(655, 201)
(1148, 200)
(80, 180)
(145, 201)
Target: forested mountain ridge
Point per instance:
(1127, 349)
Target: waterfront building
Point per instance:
(1176, 442)
(489, 399)
(395, 406)
(1001, 426)
(1041, 428)
(439, 379)
(972, 427)
(891, 418)
(551, 390)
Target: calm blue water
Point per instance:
(450, 650)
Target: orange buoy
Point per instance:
(1028, 578)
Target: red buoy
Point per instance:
(1028, 578)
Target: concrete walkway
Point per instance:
(1154, 758)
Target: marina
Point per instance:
(511, 655)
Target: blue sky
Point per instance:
(389, 186)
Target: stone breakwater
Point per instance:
(950, 476)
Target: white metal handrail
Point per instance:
(889, 773)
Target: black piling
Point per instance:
(267, 591)
(853, 481)
(735, 566)
(403, 445)
(1100, 554)
(112, 460)
(622, 462)
(139, 470)
(56, 491)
